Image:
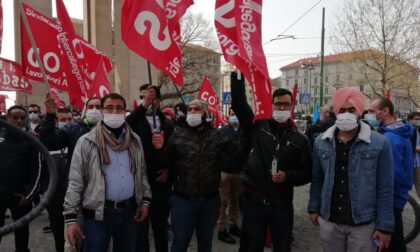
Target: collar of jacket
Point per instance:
(364, 134)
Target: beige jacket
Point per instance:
(86, 188)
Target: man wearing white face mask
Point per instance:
(279, 159)
(194, 154)
(352, 181)
(107, 183)
(60, 138)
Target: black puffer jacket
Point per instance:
(293, 156)
(194, 157)
(18, 163)
(230, 163)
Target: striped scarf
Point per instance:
(105, 137)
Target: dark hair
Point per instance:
(35, 105)
(386, 103)
(182, 106)
(16, 107)
(412, 115)
(144, 86)
(281, 92)
(63, 110)
(112, 96)
(156, 88)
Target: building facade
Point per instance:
(347, 69)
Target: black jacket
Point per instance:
(18, 163)
(195, 159)
(293, 156)
(57, 139)
(320, 127)
(230, 163)
(155, 159)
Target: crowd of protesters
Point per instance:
(120, 172)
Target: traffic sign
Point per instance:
(187, 99)
(305, 98)
(227, 98)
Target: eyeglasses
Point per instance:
(284, 105)
(33, 112)
(111, 108)
(92, 106)
(344, 110)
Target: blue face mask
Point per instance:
(61, 125)
(372, 120)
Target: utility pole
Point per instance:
(321, 75)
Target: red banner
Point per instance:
(3, 103)
(238, 25)
(207, 94)
(100, 84)
(1, 24)
(11, 77)
(151, 29)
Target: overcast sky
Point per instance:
(278, 15)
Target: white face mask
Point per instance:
(233, 120)
(281, 116)
(93, 115)
(33, 116)
(346, 121)
(194, 120)
(114, 120)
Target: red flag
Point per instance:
(57, 98)
(388, 94)
(238, 25)
(207, 94)
(45, 32)
(100, 85)
(1, 24)
(294, 94)
(151, 29)
(3, 103)
(74, 63)
(11, 77)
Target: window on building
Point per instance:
(326, 90)
(297, 71)
(337, 78)
(305, 81)
(350, 76)
(362, 88)
(326, 79)
(287, 83)
(316, 80)
(296, 81)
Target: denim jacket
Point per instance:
(370, 178)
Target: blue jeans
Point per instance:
(189, 215)
(258, 216)
(118, 224)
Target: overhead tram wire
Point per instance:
(297, 20)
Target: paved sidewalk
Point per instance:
(306, 235)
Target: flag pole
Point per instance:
(149, 71)
(32, 40)
(177, 90)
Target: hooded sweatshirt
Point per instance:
(399, 134)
